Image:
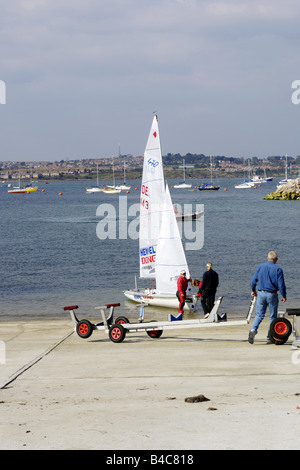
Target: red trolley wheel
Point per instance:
(280, 330)
(117, 333)
(154, 333)
(121, 320)
(84, 329)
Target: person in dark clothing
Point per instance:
(210, 282)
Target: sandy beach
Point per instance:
(63, 392)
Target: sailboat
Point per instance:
(257, 179)
(22, 190)
(19, 190)
(246, 184)
(160, 247)
(112, 189)
(267, 178)
(95, 189)
(180, 217)
(123, 186)
(286, 179)
(209, 186)
(183, 185)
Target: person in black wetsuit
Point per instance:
(210, 282)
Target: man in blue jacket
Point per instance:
(267, 280)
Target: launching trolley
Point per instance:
(281, 328)
(118, 328)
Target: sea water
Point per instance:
(52, 256)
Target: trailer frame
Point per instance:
(116, 329)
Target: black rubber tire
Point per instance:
(154, 333)
(277, 342)
(117, 333)
(280, 330)
(120, 320)
(84, 329)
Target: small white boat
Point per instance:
(95, 189)
(283, 183)
(245, 185)
(180, 217)
(257, 179)
(183, 185)
(124, 186)
(112, 189)
(286, 179)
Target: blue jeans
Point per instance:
(264, 300)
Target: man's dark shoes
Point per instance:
(251, 336)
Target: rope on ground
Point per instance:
(33, 362)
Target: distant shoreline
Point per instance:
(137, 175)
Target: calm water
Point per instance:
(51, 255)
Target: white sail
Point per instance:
(170, 254)
(160, 247)
(152, 195)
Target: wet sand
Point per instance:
(64, 392)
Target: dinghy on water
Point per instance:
(183, 185)
(180, 217)
(95, 189)
(22, 190)
(161, 252)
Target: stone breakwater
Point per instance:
(291, 190)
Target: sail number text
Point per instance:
(152, 162)
(145, 195)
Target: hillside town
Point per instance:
(197, 165)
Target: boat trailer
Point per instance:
(119, 327)
(281, 328)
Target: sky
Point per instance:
(84, 77)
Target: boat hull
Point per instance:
(22, 191)
(112, 189)
(187, 217)
(208, 188)
(182, 186)
(94, 190)
(244, 186)
(160, 300)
